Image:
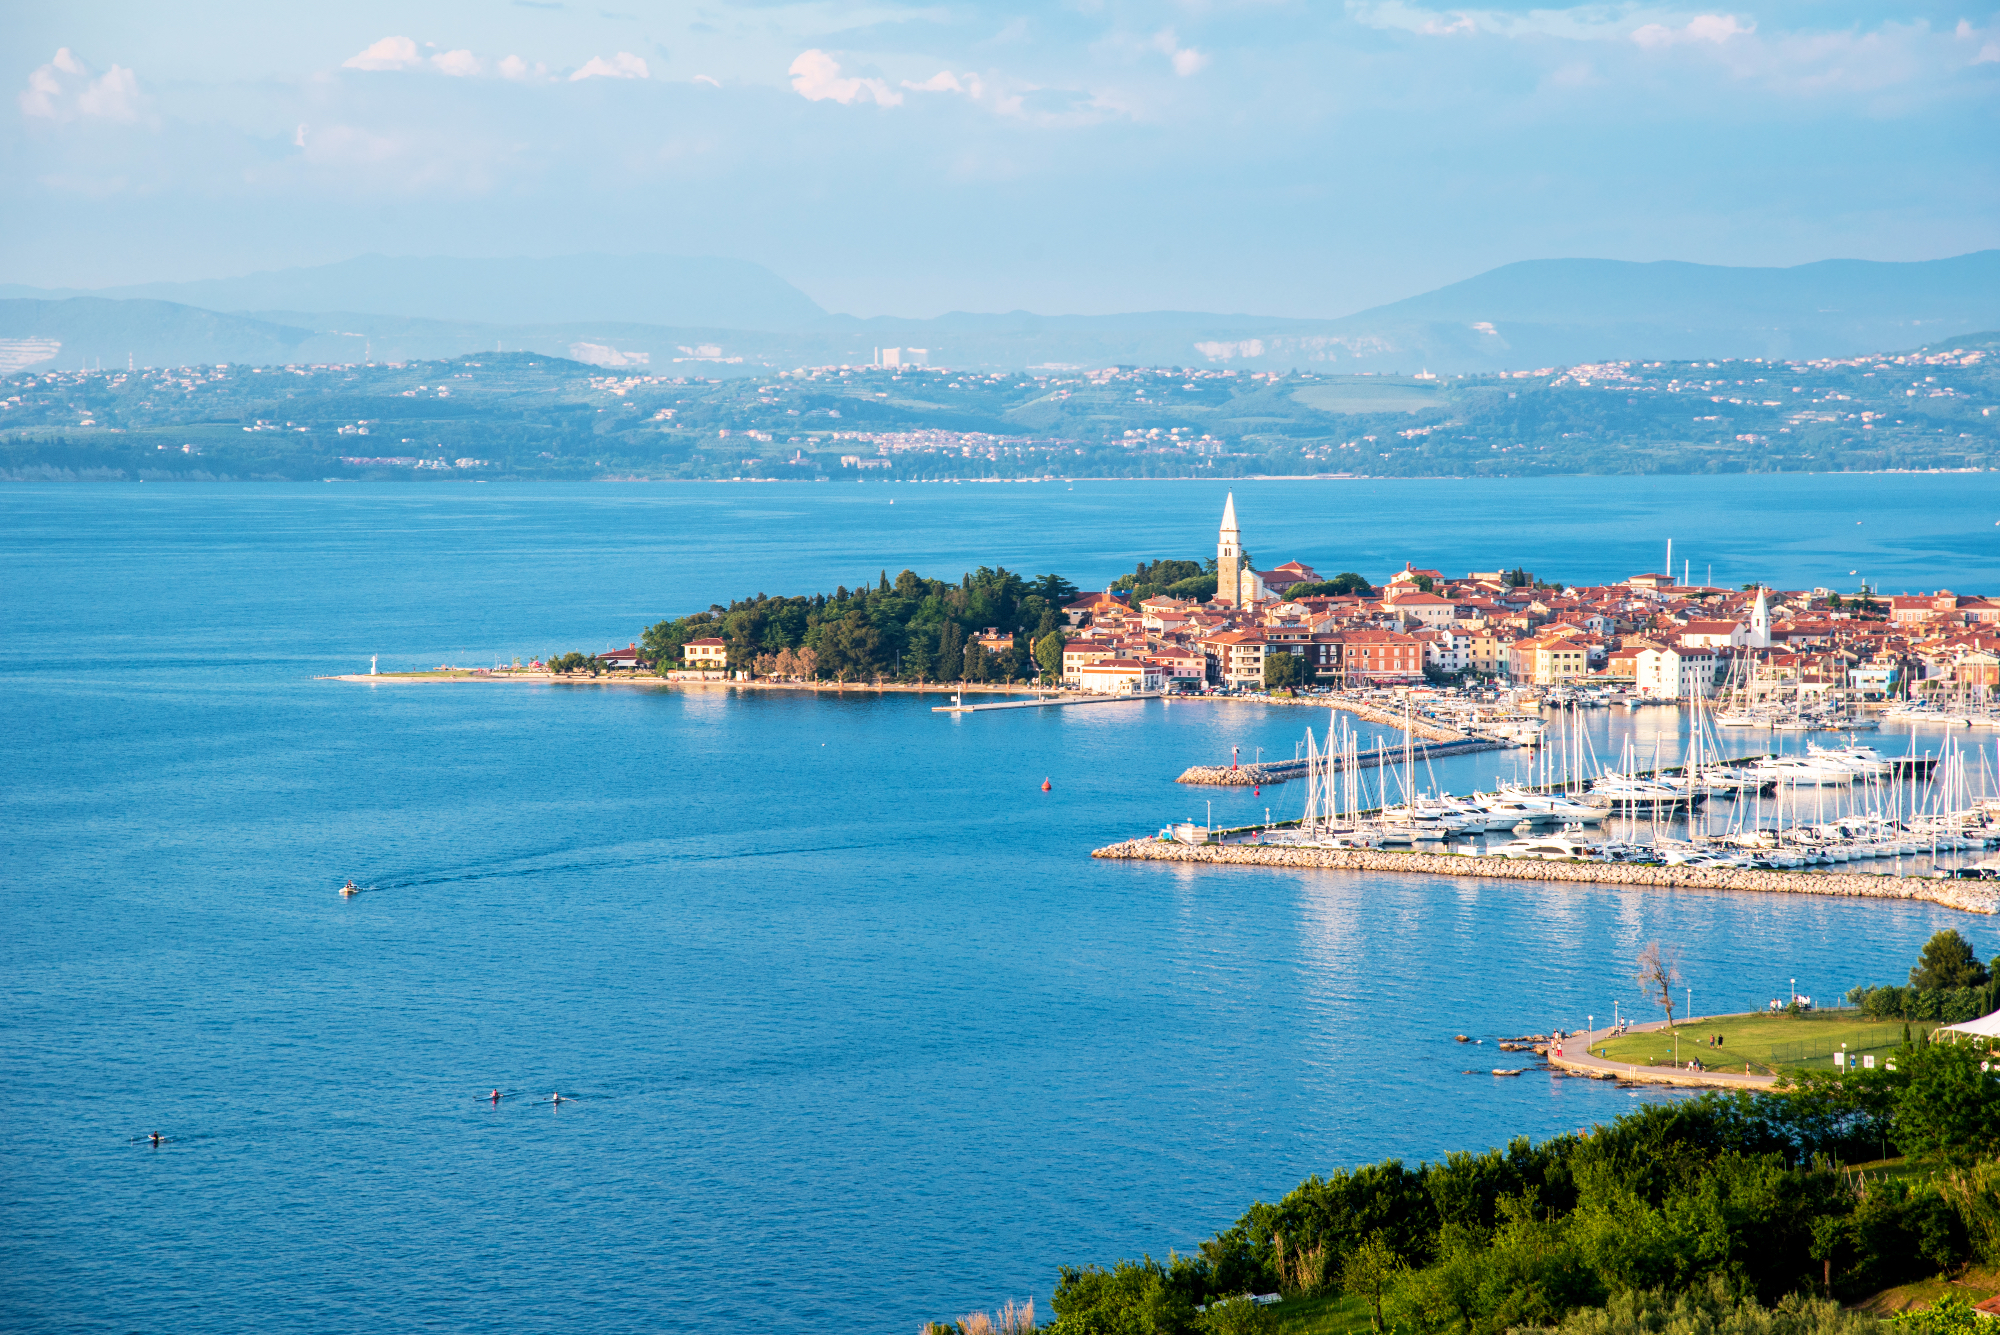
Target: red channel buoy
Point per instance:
(1046, 785)
(1257, 791)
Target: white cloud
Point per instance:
(816, 77)
(944, 81)
(703, 78)
(1716, 28)
(391, 53)
(64, 89)
(458, 64)
(513, 67)
(299, 139)
(1989, 50)
(1186, 60)
(624, 65)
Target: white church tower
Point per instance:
(1229, 557)
(1760, 622)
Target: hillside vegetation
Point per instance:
(525, 415)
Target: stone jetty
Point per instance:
(1277, 771)
(1967, 896)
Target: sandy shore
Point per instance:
(1966, 896)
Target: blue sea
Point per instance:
(856, 1032)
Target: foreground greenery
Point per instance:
(1728, 1212)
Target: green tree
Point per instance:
(951, 652)
(1948, 961)
(976, 662)
(1949, 1109)
(1241, 1315)
(917, 661)
(849, 649)
(1368, 1271)
(1054, 590)
(1347, 582)
(1049, 655)
(1282, 669)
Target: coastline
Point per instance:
(1960, 895)
(649, 680)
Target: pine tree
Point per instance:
(951, 652)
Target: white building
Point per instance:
(1676, 674)
(1120, 676)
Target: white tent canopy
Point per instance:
(1986, 1026)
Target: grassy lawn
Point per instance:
(1336, 1314)
(1974, 1285)
(1770, 1043)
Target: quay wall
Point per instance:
(1430, 729)
(1277, 771)
(1966, 896)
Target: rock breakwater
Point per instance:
(1277, 771)
(1966, 896)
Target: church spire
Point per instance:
(1229, 557)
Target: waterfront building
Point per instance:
(1380, 656)
(1677, 673)
(706, 655)
(1120, 676)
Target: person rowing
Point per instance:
(496, 1096)
(558, 1098)
(155, 1138)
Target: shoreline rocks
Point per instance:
(1965, 896)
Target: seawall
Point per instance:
(1966, 896)
(1277, 771)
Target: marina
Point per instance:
(1699, 800)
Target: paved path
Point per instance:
(1574, 1054)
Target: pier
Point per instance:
(1048, 702)
(1966, 896)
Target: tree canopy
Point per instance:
(911, 628)
(1948, 961)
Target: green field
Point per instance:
(1771, 1044)
(1336, 1314)
(1369, 394)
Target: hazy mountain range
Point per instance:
(714, 316)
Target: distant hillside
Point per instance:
(528, 415)
(726, 318)
(647, 289)
(90, 331)
(1561, 312)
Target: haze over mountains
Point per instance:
(710, 316)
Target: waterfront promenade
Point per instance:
(1966, 896)
(1574, 1055)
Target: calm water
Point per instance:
(857, 1032)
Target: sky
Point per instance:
(1264, 157)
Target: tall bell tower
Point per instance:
(1229, 557)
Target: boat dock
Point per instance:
(1047, 702)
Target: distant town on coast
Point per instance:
(1225, 624)
(512, 416)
